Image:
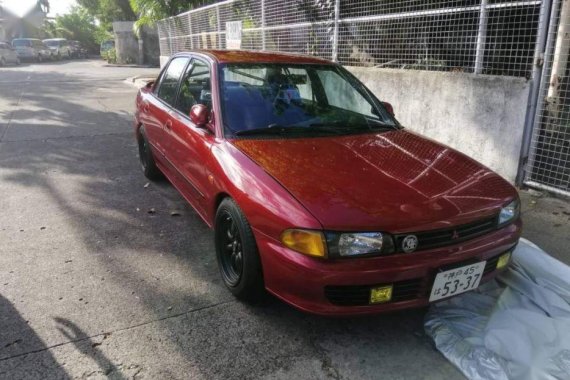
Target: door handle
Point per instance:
(168, 125)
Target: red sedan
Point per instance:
(316, 193)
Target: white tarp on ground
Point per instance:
(517, 327)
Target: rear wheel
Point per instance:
(2, 61)
(40, 58)
(150, 170)
(236, 252)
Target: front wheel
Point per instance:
(150, 170)
(236, 252)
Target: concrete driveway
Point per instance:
(98, 279)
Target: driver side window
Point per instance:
(195, 87)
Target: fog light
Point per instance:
(381, 294)
(504, 260)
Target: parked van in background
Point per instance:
(106, 46)
(59, 47)
(31, 49)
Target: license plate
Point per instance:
(457, 281)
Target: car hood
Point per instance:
(394, 181)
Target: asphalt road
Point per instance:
(93, 285)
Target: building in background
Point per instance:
(22, 26)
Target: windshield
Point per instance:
(52, 43)
(20, 43)
(297, 99)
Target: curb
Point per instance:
(138, 81)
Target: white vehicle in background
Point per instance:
(60, 47)
(31, 49)
(8, 55)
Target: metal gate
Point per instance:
(548, 166)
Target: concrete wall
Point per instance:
(150, 47)
(126, 42)
(479, 115)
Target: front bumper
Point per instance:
(311, 284)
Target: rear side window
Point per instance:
(168, 87)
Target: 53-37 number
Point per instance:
(451, 287)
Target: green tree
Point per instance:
(150, 11)
(78, 25)
(107, 11)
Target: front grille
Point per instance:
(359, 295)
(449, 236)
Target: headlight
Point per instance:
(358, 244)
(509, 213)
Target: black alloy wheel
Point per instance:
(232, 250)
(236, 251)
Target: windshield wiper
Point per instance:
(277, 129)
(347, 127)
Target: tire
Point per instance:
(2, 62)
(237, 254)
(148, 164)
(40, 58)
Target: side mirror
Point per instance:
(149, 84)
(389, 108)
(199, 115)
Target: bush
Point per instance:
(110, 55)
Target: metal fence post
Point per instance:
(335, 31)
(544, 21)
(190, 30)
(263, 25)
(481, 37)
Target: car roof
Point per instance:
(55, 39)
(25, 39)
(252, 56)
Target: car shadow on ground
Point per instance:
(83, 161)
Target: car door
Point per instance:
(188, 146)
(155, 108)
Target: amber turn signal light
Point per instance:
(311, 243)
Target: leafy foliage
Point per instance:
(150, 11)
(107, 11)
(78, 25)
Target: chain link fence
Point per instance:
(482, 36)
(549, 161)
